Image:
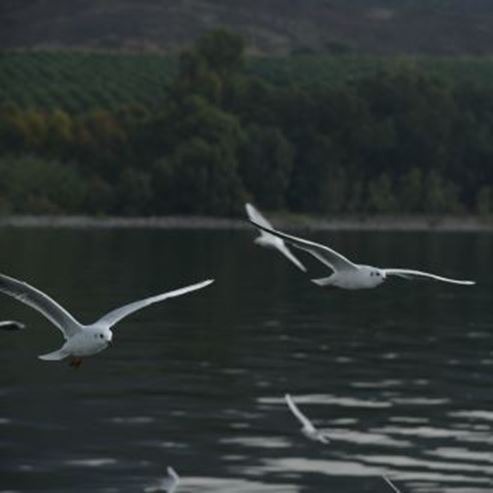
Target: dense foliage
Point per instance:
(214, 131)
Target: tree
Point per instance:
(410, 189)
(440, 195)
(266, 163)
(381, 196)
(199, 178)
(484, 201)
(223, 51)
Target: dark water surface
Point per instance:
(400, 376)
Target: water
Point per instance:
(400, 376)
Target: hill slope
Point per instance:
(273, 26)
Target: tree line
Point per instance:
(397, 140)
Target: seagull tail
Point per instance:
(54, 356)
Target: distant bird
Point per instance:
(387, 480)
(81, 340)
(168, 484)
(347, 275)
(269, 240)
(308, 429)
(11, 325)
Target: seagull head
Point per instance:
(375, 275)
(103, 336)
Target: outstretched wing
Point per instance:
(11, 325)
(287, 253)
(170, 483)
(298, 414)
(257, 218)
(389, 482)
(324, 254)
(116, 315)
(34, 298)
(411, 274)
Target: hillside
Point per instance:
(442, 27)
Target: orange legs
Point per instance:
(75, 362)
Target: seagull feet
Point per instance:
(75, 362)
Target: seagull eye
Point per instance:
(101, 336)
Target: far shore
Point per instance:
(281, 220)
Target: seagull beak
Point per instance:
(110, 343)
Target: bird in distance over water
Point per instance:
(168, 484)
(308, 429)
(11, 325)
(81, 340)
(269, 240)
(389, 482)
(348, 275)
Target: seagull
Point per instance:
(308, 429)
(269, 240)
(389, 482)
(81, 340)
(348, 275)
(11, 325)
(168, 484)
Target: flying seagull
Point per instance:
(308, 429)
(81, 340)
(11, 325)
(389, 482)
(168, 484)
(269, 240)
(348, 275)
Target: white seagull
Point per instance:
(348, 275)
(389, 482)
(11, 325)
(168, 484)
(269, 240)
(308, 429)
(81, 340)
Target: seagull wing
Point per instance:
(257, 218)
(287, 253)
(389, 482)
(11, 325)
(170, 483)
(299, 415)
(116, 315)
(324, 254)
(411, 274)
(34, 298)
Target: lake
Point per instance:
(400, 376)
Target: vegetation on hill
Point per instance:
(279, 27)
(213, 134)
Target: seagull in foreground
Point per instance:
(269, 240)
(11, 325)
(389, 482)
(168, 484)
(308, 429)
(348, 275)
(81, 340)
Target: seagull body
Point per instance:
(168, 484)
(11, 325)
(348, 275)
(269, 240)
(307, 428)
(80, 340)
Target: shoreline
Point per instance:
(281, 220)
